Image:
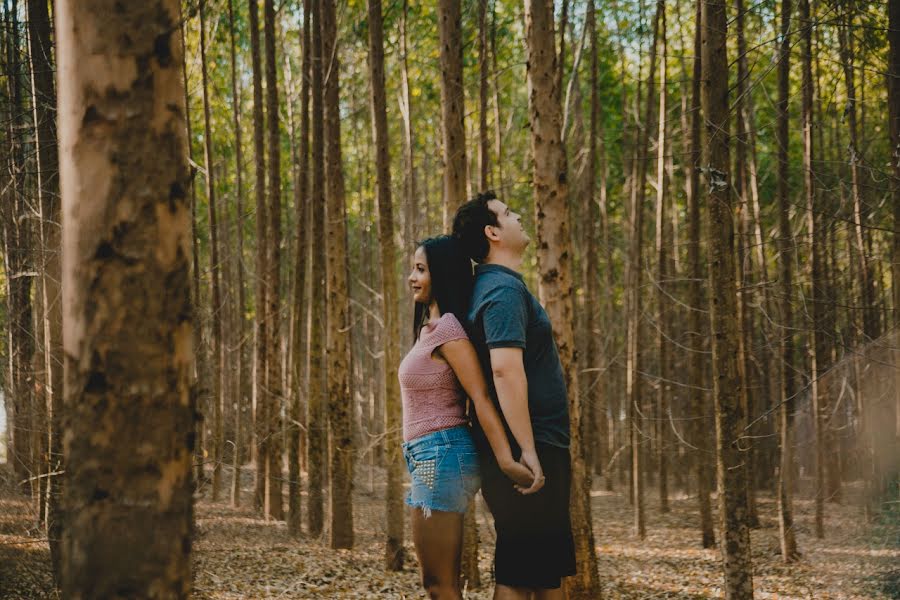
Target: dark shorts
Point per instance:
(534, 534)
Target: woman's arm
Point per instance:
(462, 358)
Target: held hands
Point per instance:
(529, 460)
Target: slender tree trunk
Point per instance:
(127, 336)
(634, 356)
(785, 252)
(218, 346)
(484, 141)
(411, 196)
(274, 382)
(261, 306)
(698, 300)
(40, 33)
(731, 476)
(663, 242)
(894, 116)
(452, 107)
(340, 399)
(318, 425)
(240, 370)
(498, 125)
(816, 341)
(554, 250)
(391, 337)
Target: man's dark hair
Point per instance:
(469, 223)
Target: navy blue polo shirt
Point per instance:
(505, 314)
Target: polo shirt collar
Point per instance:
(492, 268)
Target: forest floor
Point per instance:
(237, 554)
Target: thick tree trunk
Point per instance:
(554, 252)
(316, 417)
(274, 381)
(731, 477)
(698, 302)
(785, 251)
(391, 336)
(452, 107)
(894, 116)
(127, 335)
(340, 399)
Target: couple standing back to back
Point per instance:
(485, 337)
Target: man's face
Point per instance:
(509, 233)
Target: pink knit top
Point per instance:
(433, 398)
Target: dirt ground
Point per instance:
(239, 555)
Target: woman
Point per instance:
(436, 376)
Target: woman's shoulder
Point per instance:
(448, 328)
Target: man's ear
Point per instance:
(490, 233)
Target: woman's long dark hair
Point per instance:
(451, 280)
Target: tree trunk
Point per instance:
(216, 296)
(391, 337)
(273, 275)
(127, 335)
(698, 300)
(318, 425)
(785, 254)
(452, 107)
(554, 251)
(816, 342)
(731, 477)
(894, 116)
(340, 399)
(484, 142)
(261, 392)
(663, 242)
(40, 31)
(634, 359)
(240, 371)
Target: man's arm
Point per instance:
(508, 370)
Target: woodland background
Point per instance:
(714, 193)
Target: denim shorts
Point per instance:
(444, 469)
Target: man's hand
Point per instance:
(530, 460)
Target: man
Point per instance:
(514, 339)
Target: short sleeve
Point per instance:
(504, 317)
(448, 329)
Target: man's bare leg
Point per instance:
(506, 592)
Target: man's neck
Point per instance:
(504, 259)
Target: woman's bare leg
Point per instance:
(438, 542)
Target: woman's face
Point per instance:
(420, 278)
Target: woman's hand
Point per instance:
(519, 473)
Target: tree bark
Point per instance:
(894, 116)
(274, 384)
(785, 251)
(698, 300)
(340, 399)
(554, 252)
(484, 142)
(215, 274)
(127, 335)
(40, 31)
(391, 337)
(240, 363)
(261, 388)
(816, 342)
(318, 425)
(731, 476)
(452, 107)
